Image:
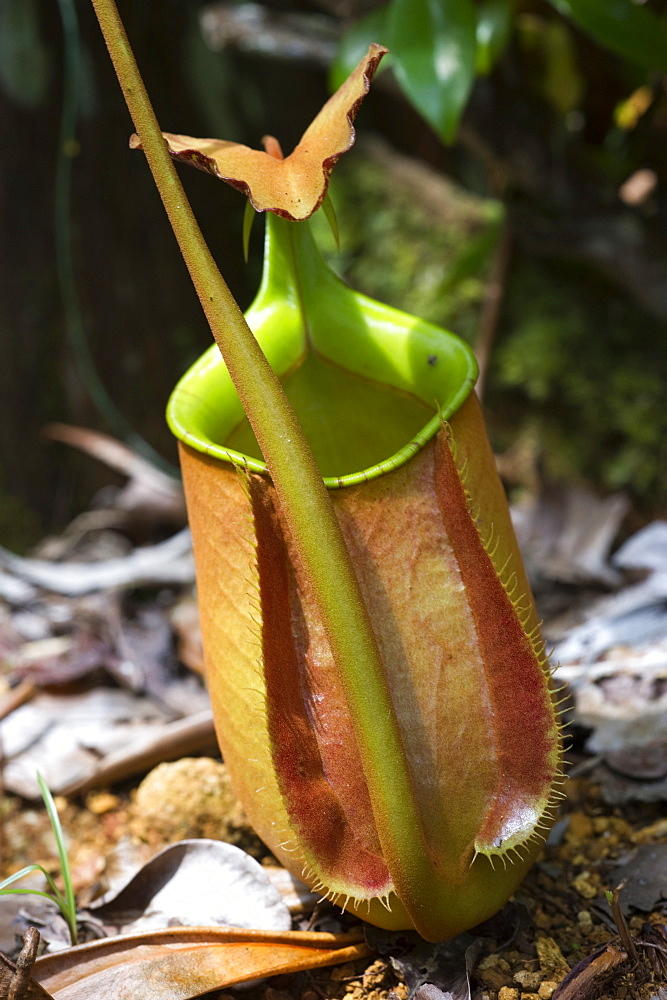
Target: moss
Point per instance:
(411, 238)
(585, 365)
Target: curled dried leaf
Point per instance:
(179, 963)
(293, 186)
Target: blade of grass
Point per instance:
(34, 892)
(69, 910)
(17, 875)
(57, 896)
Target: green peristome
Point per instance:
(369, 384)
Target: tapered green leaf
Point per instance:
(57, 896)
(67, 903)
(622, 26)
(434, 46)
(494, 24)
(354, 44)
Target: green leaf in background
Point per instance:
(434, 47)
(494, 24)
(622, 26)
(25, 59)
(558, 78)
(354, 45)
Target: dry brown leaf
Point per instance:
(293, 187)
(181, 963)
(169, 741)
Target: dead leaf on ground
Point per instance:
(643, 763)
(615, 661)
(623, 700)
(645, 879)
(566, 534)
(15, 591)
(195, 882)
(150, 495)
(126, 636)
(168, 741)
(63, 658)
(646, 549)
(430, 992)
(653, 943)
(617, 790)
(179, 964)
(100, 735)
(168, 562)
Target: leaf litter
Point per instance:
(135, 642)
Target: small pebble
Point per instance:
(546, 989)
(584, 886)
(552, 961)
(190, 797)
(528, 980)
(494, 961)
(508, 993)
(102, 802)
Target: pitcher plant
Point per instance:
(380, 688)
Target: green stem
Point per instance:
(302, 496)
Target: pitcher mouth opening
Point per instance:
(204, 411)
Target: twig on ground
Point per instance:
(24, 964)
